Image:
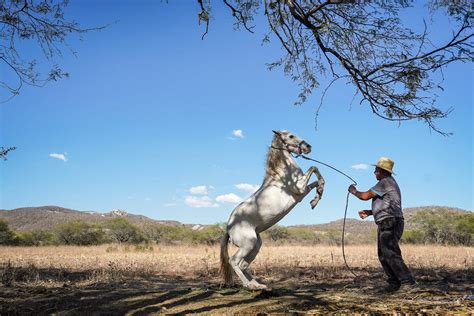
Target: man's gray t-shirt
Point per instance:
(388, 202)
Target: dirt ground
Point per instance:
(448, 292)
(27, 287)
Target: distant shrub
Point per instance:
(465, 227)
(168, 234)
(276, 233)
(79, 233)
(143, 248)
(447, 229)
(122, 231)
(413, 237)
(36, 238)
(7, 235)
(304, 235)
(209, 235)
(431, 228)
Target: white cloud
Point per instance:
(200, 202)
(199, 190)
(229, 198)
(360, 166)
(59, 156)
(247, 187)
(238, 133)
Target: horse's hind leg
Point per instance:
(247, 241)
(245, 263)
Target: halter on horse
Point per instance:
(284, 186)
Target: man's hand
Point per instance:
(364, 214)
(352, 189)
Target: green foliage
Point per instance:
(7, 236)
(209, 235)
(413, 237)
(166, 234)
(36, 238)
(122, 231)
(79, 233)
(304, 235)
(276, 233)
(184, 234)
(310, 236)
(446, 228)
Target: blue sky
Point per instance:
(156, 121)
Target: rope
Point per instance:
(345, 210)
(307, 158)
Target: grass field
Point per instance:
(184, 279)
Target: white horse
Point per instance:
(284, 186)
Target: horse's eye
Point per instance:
(291, 136)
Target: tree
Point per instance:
(394, 70)
(209, 235)
(277, 233)
(79, 233)
(122, 231)
(4, 151)
(36, 237)
(446, 228)
(7, 236)
(38, 22)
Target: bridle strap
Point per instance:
(286, 145)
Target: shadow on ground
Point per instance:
(440, 291)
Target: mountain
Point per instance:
(46, 217)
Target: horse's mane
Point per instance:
(274, 157)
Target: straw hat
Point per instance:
(385, 164)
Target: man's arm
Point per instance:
(362, 195)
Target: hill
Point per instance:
(46, 217)
(356, 226)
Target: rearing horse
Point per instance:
(284, 186)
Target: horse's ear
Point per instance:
(276, 132)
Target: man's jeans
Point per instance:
(389, 232)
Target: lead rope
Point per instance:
(345, 210)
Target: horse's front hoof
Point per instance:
(313, 203)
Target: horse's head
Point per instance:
(293, 143)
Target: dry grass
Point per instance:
(49, 265)
(184, 280)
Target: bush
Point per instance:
(304, 235)
(209, 235)
(447, 229)
(7, 236)
(122, 231)
(36, 238)
(79, 233)
(465, 227)
(413, 237)
(169, 234)
(276, 233)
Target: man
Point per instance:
(387, 212)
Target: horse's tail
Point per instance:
(225, 270)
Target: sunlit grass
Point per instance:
(92, 264)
